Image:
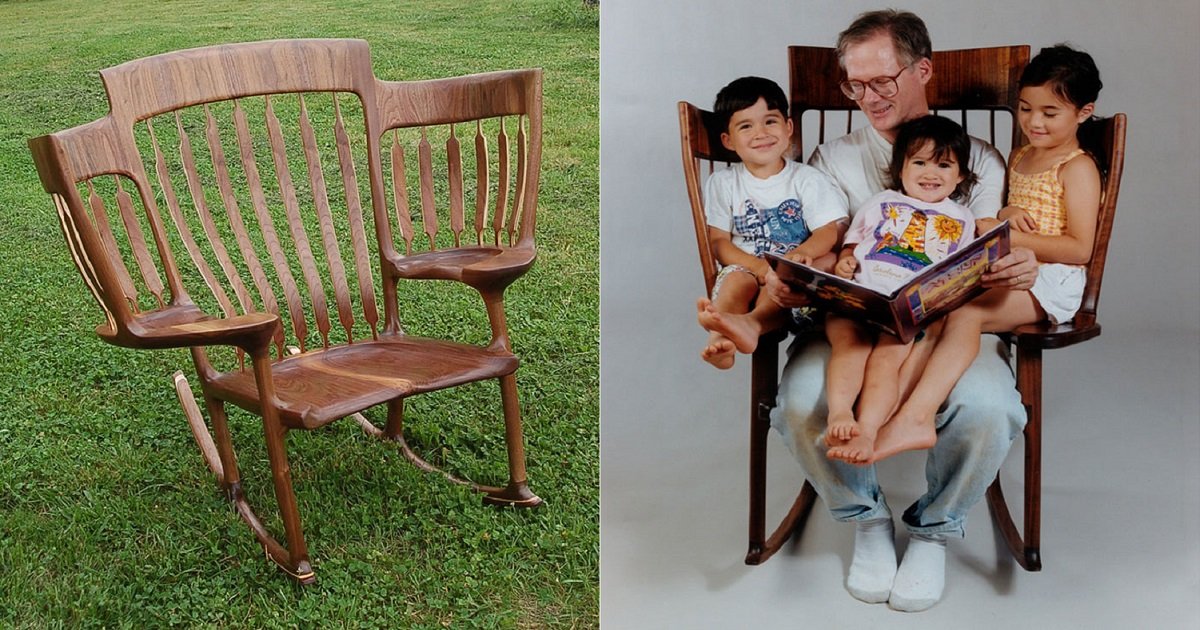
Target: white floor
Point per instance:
(1120, 520)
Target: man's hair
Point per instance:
(948, 138)
(908, 33)
(745, 92)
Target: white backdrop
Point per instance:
(673, 429)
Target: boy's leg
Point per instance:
(735, 290)
(878, 400)
(744, 328)
(850, 347)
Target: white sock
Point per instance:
(874, 564)
(922, 575)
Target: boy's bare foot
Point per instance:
(742, 329)
(719, 352)
(858, 450)
(904, 434)
(841, 427)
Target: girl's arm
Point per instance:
(1081, 185)
(729, 254)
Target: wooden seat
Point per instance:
(320, 386)
(271, 206)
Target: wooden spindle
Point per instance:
(400, 194)
(519, 188)
(358, 234)
(428, 211)
(181, 225)
(502, 185)
(454, 173)
(110, 244)
(267, 226)
(320, 195)
(308, 267)
(481, 182)
(196, 189)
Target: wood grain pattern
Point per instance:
(321, 382)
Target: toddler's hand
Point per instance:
(1022, 221)
(800, 258)
(983, 225)
(846, 267)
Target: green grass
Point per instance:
(108, 516)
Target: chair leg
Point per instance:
(517, 492)
(1027, 551)
(294, 560)
(220, 457)
(764, 375)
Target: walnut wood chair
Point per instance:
(978, 85)
(250, 239)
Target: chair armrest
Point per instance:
(185, 325)
(1048, 336)
(483, 268)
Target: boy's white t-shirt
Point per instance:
(774, 214)
(895, 236)
(858, 163)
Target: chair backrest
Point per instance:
(258, 153)
(979, 84)
(1113, 139)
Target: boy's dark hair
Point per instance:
(745, 92)
(1072, 76)
(948, 137)
(907, 30)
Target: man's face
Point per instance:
(874, 58)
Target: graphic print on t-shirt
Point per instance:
(914, 238)
(776, 230)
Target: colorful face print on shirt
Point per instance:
(914, 238)
(776, 230)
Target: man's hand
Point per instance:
(1017, 270)
(782, 294)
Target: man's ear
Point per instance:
(924, 70)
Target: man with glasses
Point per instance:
(886, 58)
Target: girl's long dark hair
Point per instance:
(1072, 75)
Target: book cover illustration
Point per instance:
(928, 295)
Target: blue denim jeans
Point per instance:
(975, 426)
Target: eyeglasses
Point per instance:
(883, 86)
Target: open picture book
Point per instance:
(928, 295)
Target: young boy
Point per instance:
(765, 203)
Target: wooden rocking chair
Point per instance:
(974, 83)
(269, 142)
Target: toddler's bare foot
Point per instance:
(742, 329)
(719, 352)
(857, 450)
(841, 427)
(904, 434)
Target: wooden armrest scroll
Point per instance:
(182, 326)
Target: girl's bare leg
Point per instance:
(998, 310)
(850, 345)
(881, 389)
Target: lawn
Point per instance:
(108, 515)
